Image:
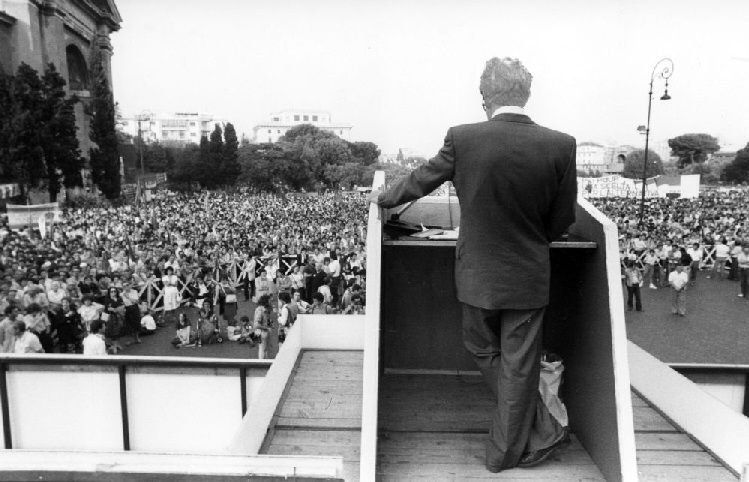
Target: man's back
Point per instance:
(516, 182)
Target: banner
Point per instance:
(20, 216)
(614, 186)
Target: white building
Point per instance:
(280, 122)
(179, 127)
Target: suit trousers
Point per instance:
(506, 346)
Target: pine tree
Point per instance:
(105, 159)
(231, 168)
(60, 144)
(214, 164)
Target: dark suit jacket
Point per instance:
(517, 186)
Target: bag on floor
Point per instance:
(551, 380)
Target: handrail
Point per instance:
(710, 367)
(120, 360)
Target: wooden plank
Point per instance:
(681, 473)
(318, 437)
(323, 423)
(637, 401)
(671, 457)
(647, 419)
(665, 441)
(550, 471)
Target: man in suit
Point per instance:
(516, 182)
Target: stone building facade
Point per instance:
(66, 33)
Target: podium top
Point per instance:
(569, 242)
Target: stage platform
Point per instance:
(433, 427)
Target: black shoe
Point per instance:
(532, 459)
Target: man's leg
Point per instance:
(638, 299)
(521, 423)
(630, 295)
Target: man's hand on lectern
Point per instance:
(374, 197)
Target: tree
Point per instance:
(738, 170)
(104, 158)
(37, 131)
(364, 153)
(230, 162)
(634, 163)
(59, 142)
(692, 148)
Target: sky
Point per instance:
(402, 72)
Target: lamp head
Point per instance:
(665, 94)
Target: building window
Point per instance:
(278, 131)
(181, 134)
(192, 134)
(268, 131)
(314, 118)
(276, 119)
(340, 132)
(306, 118)
(77, 69)
(192, 124)
(164, 134)
(296, 118)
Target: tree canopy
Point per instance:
(693, 148)
(633, 164)
(738, 169)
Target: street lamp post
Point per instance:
(663, 70)
(143, 116)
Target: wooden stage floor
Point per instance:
(433, 427)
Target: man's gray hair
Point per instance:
(505, 82)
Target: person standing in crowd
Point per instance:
(652, 269)
(94, 343)
(114, 312)
(678, 280)
(517, 186)
(733, 273)
(743, 263)
(25, 340)
(262, 325)
(695, 253)
(721, 256)
(7, 329)
(37, 322)
(171, 294)
(633, 279)
(67, 322)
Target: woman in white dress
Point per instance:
(171, 293)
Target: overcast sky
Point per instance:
(402, 72)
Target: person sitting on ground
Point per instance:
(148, 324)
(94, 343)
(184, 334)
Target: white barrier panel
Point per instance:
(65, 410)
(332, 332)
(119, 465)
(705, 418)
(193, 412)
(371, 368)
(248, 438)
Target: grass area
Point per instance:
(714, 330)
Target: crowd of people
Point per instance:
(104, 275)
(678, 238)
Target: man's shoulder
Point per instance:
(540, 131)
